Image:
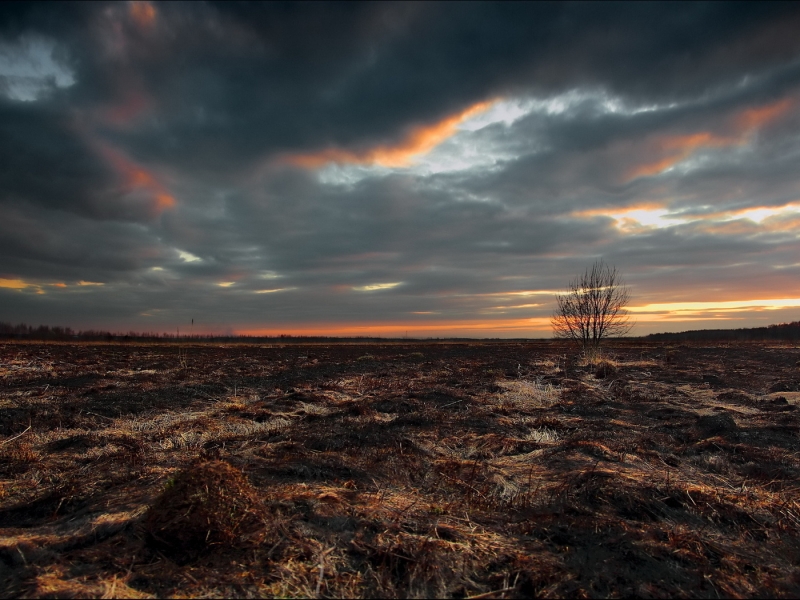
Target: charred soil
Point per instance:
(399, 470)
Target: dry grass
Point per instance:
(494, 470)
(521, 394)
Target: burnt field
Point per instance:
(495, 470)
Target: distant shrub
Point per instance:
(715, 424)
(605, 369)
(592, 309)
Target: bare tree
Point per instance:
(593, 308)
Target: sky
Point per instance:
(396, 169)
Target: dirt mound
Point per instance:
(777, 404)
(605, 369)
(712, 379)
(734, 396)
(208, 504)
(716, 424)
(785, 386)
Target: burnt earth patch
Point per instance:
(398, 469)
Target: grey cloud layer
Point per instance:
(206, 98)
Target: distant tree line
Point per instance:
(781, 331)
(47, 333)
(23, 331)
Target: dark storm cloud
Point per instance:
(39, 243)
(230, 83)
(151, 153)
(48, 163)
(326, 230)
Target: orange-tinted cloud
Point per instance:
(143, 13)
(743, 221)
(752, 219)
(609, 211)
(672, 310)
(134, 104)
(14, 284)
(20, 285)
(675, 149)
(754, 118)
(743, 226)
(418, 141)
(136, 177)
(523, 293)
(679, 148)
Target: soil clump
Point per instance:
(207, 505)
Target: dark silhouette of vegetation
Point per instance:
(23, 331)
(593, 308)
(780, 331)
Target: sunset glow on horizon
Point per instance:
(412, 329)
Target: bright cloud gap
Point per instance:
(374, 287)
(460, 152)
(29, 68)
(634, 219)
